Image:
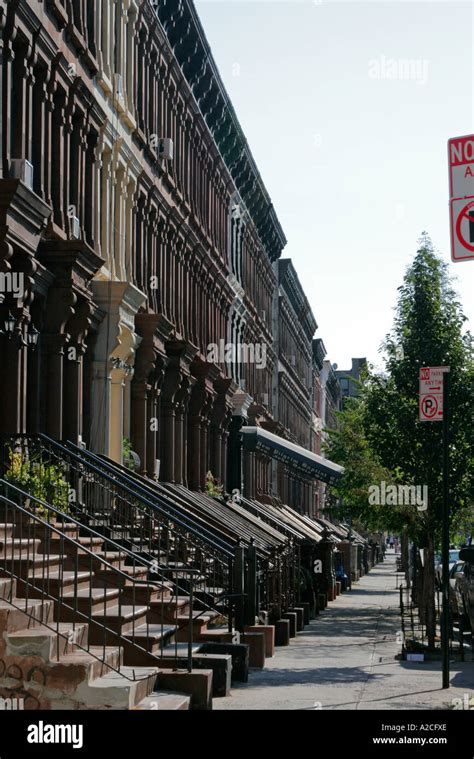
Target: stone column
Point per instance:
(59, 308)
(236, 474)
(220, 418)
(200, 407)
(181, 408)
(77, 328)
(73, 392)
(114, 359)
(146, 388)
(176, 384)
(100, 406)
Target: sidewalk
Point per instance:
(345, 660)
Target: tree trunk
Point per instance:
(405, 556)
(429, 591)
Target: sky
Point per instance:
(347, 108)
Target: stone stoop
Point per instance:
(256, 644)
(197, 684)
(144, 616)
(58, 669)
(52, 670)
(269, 636)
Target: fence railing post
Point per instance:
(190, 634)
(239, 587)
(251, 589)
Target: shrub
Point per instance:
(47, 482)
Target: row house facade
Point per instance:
(296, 328)
(330, 403)
(153, 308)
(317, 422)
(136, 221)
(155, 351)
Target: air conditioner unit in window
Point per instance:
(22, 169)
(74, 228)
(264, 399)
(264, 316)
(236, 212)
(293, 360)
(165, 149)
(118, 79)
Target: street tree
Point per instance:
(348, 445)
(428, 330)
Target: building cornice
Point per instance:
(187, 39)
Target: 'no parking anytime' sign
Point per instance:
(461, 192)
(431, 393)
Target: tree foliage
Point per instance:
(380, 436)
(427, 331)
(349, 446)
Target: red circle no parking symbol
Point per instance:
(462, 216)
(429, 406)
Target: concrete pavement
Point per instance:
(345, 660)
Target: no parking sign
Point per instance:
(431, 393)
(461, 191)
(462, 229)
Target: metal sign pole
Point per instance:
(445, 537)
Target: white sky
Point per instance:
(354, 159)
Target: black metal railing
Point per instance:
(172, 528)
(277, 552)
(80, 578)
(123, 512)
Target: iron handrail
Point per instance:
(60, 597)
(99, 465)
(78, 465)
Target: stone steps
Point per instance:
(168, 610)
(94, 561)
(143, 594)
(74, 674)
(17, 548)
(113, 691)
(46, 643)
(6, 531)
(55, 580)
(7, 587)
(89, 600)
(53, 542)
(152, 637)
(78, 621)
(29, 613)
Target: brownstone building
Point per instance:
(147, 319)
(133, 208)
